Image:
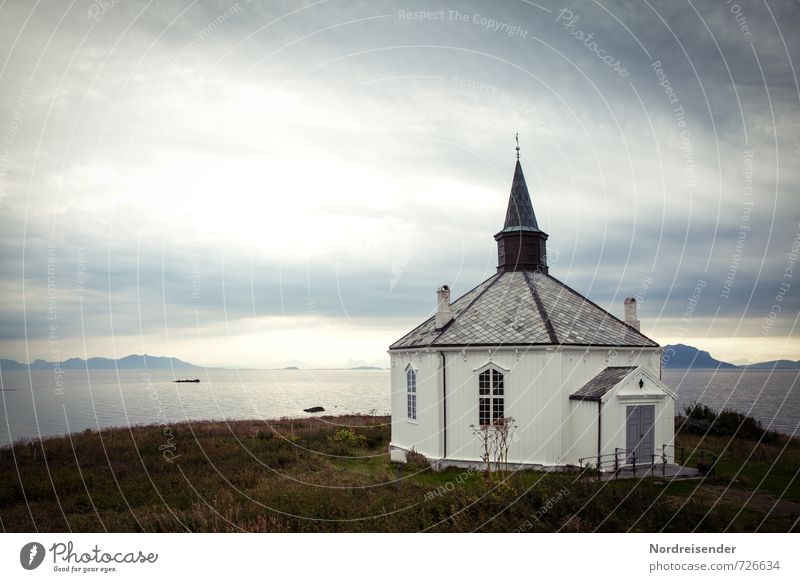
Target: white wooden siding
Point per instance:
(552, 429)
(422, 434)
(582, 433)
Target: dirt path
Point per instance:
(759, 501)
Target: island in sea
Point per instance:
(689, 357)
(679, 356)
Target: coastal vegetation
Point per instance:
(332, 474)
(700, 419)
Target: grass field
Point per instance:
(333, 474)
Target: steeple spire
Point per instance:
(520, 210)
(521, 245)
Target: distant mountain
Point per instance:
(132, 362)
(12, 365)
(293, 365)
(683, 356)
(774, 364)
(364, 365)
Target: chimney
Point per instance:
(443, 314)
(631, 313)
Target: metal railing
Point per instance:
(628, 460)
(625, 460)
(681, 457)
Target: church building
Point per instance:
(580, 384)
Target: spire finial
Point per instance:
(516, 136)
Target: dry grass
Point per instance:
(293, 475)
(772, 467)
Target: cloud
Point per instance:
(221, 165)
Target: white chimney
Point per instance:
(443, 314)
(631, 313)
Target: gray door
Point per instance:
(639, 434)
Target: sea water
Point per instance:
(37, 403)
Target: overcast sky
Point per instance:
(262, 183)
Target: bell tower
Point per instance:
(521, 245)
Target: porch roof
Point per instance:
(597, 387)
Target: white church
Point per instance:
(580, 384)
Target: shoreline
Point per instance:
(303, 417)
(27, 441)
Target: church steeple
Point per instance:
(520, 210)
(521, 245)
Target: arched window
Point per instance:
(491, 398)
(411, 393)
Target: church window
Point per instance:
(411, 393)
(491, 397)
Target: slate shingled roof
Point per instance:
(524, 308)
(519, 214)
(596, 388)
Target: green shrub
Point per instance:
(345, 435)
(704, 466)
(416, 461)
(700, 419)
(697, 411)
(375, 438)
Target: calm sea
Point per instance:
(32, 405)
(771, 397)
